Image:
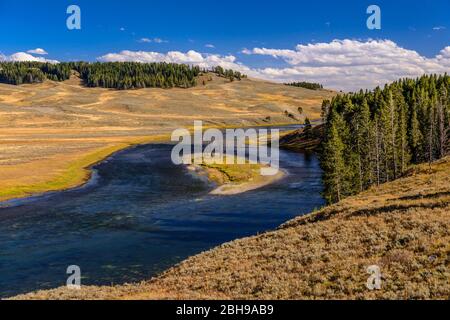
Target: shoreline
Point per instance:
(231, 188)
(79, 171)
(76, 175)
(305, 241)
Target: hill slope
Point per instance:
(300, 141)
(403, 227)
(50, 132)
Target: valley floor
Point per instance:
(51, 133)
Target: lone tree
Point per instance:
(308, 127)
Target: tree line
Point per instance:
(17, 73)
(371, 137)
(306, 85)
(227, 73)
(117, 75)
(134, 75)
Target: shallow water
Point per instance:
(139, 215)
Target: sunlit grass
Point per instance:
(76, 173)
(235, 173)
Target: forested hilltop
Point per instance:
(372, 137)
(33, 72)
(117, 75)
(306, 85)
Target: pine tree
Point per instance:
(362, 126)
(307, 127)
(375, 135)
(415, 134)
(402, 132)
(332, 161)
(441, 121)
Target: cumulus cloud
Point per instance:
(23, 56)
(340, 64)
(350, 64)
(38, 51)
(191, 57)
(443, 58)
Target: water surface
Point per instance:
(139, 215)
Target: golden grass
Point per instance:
(234, 173)
(59, 172)
(76, 173)
(231, 179)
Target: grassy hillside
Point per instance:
(48, 130)
(300, 141)
(402, 226)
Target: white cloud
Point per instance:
(246, 51)
(122, 29)
(23, 56)
(155, 40)
(158, 40)
(38, 51)
(438, 28)
(443, 58)
(209, 45)
(340, 64)
(350, 64)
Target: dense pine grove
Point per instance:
(32, 72)
(118, 75)
(306, 85)
(134, 75)
(372, 137)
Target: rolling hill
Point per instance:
(51, 132)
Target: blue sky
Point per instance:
(230, 26)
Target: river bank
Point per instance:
(73, 172)
(74, 169)
(139, 215)
(402, 227)
(51, 133)
(232, 179)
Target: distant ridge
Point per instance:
(117, 75)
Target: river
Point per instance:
(137, 216)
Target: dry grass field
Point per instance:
(51, 132)
(402, 226)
